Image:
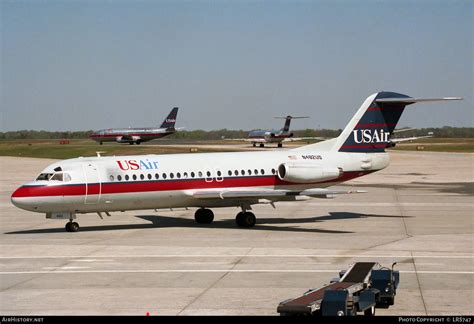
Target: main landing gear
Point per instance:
(72, 227)
(204, 216)
(243, 219)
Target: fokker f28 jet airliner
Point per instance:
(105, 184)
(137, 135)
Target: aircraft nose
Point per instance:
(20, 199)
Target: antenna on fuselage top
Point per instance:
(100, 152)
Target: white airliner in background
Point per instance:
(106, 184)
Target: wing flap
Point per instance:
(266, 193)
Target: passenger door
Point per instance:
(93, 183)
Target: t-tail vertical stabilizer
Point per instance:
(370, 129)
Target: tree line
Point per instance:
(443, 132)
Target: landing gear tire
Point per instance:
(101, 143)
(254, 144)
(391, 301)
(245, 219)
(131, 143)
(370, 311)
(138, 142)
(280, 145)
(262, 145)
(204, 216)
(72, 227)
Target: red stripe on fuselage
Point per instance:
(136, 134)
(382, 108)
(374, 125)
(383, 145)
(162, 185)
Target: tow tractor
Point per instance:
(363, 287)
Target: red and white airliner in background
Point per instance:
(206, 180)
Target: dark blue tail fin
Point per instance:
(171, 119)
(370, 129)
(286, 127)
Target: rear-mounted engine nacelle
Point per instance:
(306, 173)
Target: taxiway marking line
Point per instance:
(387, 204)
(241, 255)
(216, 271)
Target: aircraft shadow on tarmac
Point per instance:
(265, 224)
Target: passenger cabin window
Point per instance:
(142, 176)
(157, 176)
(178, 175)
(192, 174)
(164, 175)
(119, 177)
(149, 176)
(111, 178)
(229, 173)
(262, 171)
(200, 174)
(127, 177)
(134, 177)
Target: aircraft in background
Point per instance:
(263, 137)
(137, 135)
(206, 180)
(394, 141)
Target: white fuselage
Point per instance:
(122, 183)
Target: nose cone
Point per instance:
(20, 199)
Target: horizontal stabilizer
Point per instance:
(291, 117)
(413, 100)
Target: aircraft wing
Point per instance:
(126, 138)
(398, 140)
(294, 139)
(403, 130)
(251, 140)
(266, 193)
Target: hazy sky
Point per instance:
(79, 65)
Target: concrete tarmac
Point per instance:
(417, 212)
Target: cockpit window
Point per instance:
(57, 176)
(44, 177)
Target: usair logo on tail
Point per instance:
(370, 136)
